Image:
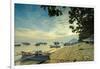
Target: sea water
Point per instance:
(32, 49)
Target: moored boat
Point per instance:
(41, 57)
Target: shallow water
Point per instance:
(30, 48)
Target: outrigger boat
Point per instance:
(37, 56)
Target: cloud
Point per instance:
(35, 34)
(37, 25)
(56, 33)
(50, 29)
(29, 34)
(61, 26)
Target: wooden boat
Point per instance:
(17, 45)
(34, 57)
(25, 43)
(54, 46)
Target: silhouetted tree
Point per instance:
(52, 10)
(82, 17)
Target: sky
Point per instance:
(32, 23)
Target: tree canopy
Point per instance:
(82, 17)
